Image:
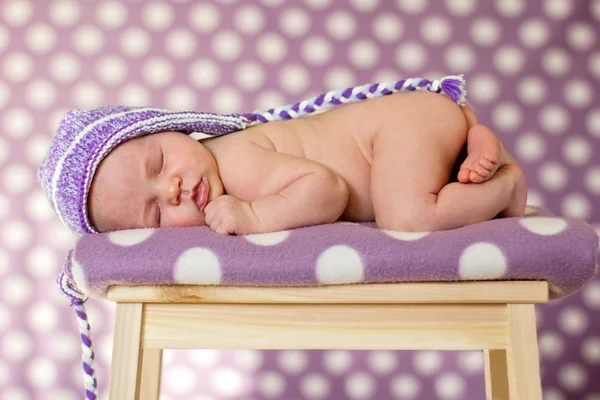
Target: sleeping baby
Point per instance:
(388, 159)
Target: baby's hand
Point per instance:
(228, 215)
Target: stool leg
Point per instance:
(126, 358)
(151, 369)
(496, 375)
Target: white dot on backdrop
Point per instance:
(4, 37)
(484, 88)
(227, 45)
(576, 205)
(16, 290)
(553, 394)
(535, 198)
(248, 360)
(180, 43)
(292, 361)
(87, 94)
(16, 234)
(5, 322)
(112, 70)
(533, 33)
(580, 36)
(41, 261)
(557, 9)
(17, 67)
(40, 93)
(64, 346)
(204, 74)
(340, 25)
(530, 147)
(460, 7)
(411, 6)
(359, 385)
(16, 345)
(158, 72)
(64, 67)
(40, 38)
(226, 100)
(556, 61)
(204, 17)
(41, 372)
(249, 75)
(507, 116)
(592, 122)
(594, 64)
(157, 15)
(510, 8)
(573, 321)
(4, 150)
(470, 362)
(410, 56)
(294, 78)
(387, 27)
(4, 206)
(336, 362)
(135, 42)
(485, 31)
(17, 122)
(88, 39)
(364, 5)
(459, 57)
(554, 119)
(577, 150)
(4, 94)
(205, 358)
(532, 90)
(572, 376)
(553, 176)
(268, 99)
(271, 384)
(318, 4)
(315, 386)
(42, 317)
(386, 75)
(590, 350)
(227, 382)
(272, 3)
(271, 48)
(17, 12)
(180, 379)
(382, 361)
(134, 94)
(405, 386)
(592, 180)
(64, 13)
(249, 20)
(450, 385)
(363, 53)
(436, 30)
(509, 59)
(427, 362)
(180, 97)
(316, 51)
(111, 14)
(578, 93)
(36, 148)
(294, 22)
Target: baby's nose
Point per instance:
(173, 191)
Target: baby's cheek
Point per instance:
(186, 217)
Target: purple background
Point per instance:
(532, 75)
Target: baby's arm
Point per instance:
(294, 191)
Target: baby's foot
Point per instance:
(484, 155)
(518, 199)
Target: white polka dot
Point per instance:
(41, 372)
(249, 75)
(17, 12)
(4, 94)
(158, 72)
(41, 262)
(594, 65)
(387, 75)
(135, 95)
(249, 20)
(412, 6)
(405, 386)
(18, 67)
(316, 51)
(408, 236)
(410, 56)
(271, 384)
(460, 7)
(294, 22)
(5, 322)
(572, 376)
(592, 180)
(484, 88)
(64, 13)
(226, 100)
(268, 99)
(318, 4)
(387, 27)
(248, 360)
(341, 25)
(543, 225)
(40, 38)
(459, 58)
(554, 119)
(532, 90)
(595, 9)
(88, 40)
(382, 361)
(509, 59)
(533, 33)
(111, 14)
(580, 36)
(198, 266)
(450, 385)
(482, 261)
(271, 48)
(204, 358)
(180, 43)
(339, 264)
(530, 147)
(510, 8)
(551, 345)
(590, 350)
(181, 98)
(227, 45)
(42, 317)
(485, 31)
(15, 394)
(40, 94)
(557, 9)
(227, 382)
(294, 78)
(204, 74)
(136, 42)
(364, 5)
(130, 237)
(427, 362)
(507, 116)
(577, 150)
(337, 362)
(180, 379)
(578, 93)
(591, 295)
(268, 239)
(436, 30)
(64, 67)
(556, 61)
(364, 53)
(573, 321)
(553, 176)
(204, 17)
(359, 385)
(470, 362)
(18, 123)
(112, 70)
(315, 386)
(292, 361)
(16, 234)
(16, 345)
(592, 122)
(576, 205)
(157, 15)
(64, 346)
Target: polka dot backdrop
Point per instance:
(533, 73)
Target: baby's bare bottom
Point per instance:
(412, 162)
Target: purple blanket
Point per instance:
(536, 247)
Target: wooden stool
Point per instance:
(495, 316)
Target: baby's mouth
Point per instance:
(200, 194)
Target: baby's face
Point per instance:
(159, 180)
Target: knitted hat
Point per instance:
(85, 137)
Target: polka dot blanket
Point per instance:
(562, 251)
